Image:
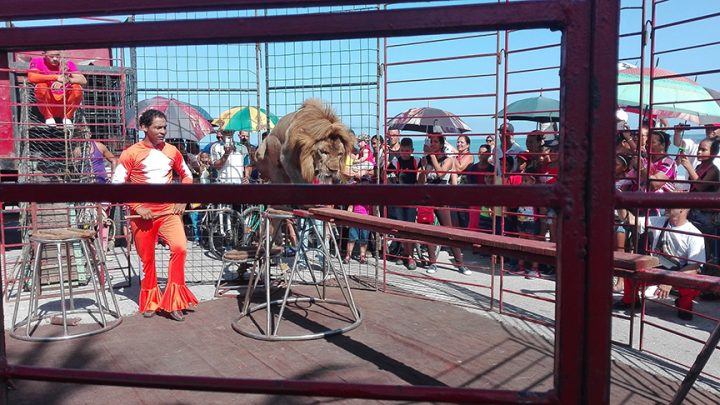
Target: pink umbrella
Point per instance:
(183, 120)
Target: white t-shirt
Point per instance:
(233, 171)
(679, 245)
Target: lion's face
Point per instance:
(328, 159)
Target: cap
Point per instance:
(714, 125)
(524, 156)
(508, 127)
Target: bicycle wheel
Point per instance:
(225, 232)
(312, 266)
(252, 219)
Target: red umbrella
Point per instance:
(183, 120)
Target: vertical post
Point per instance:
(588, 99)
(4, 79)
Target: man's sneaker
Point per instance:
(289, 251)
(411, 265)
(50, 122)
(400, 262)
(67, 122)
(431, 269)
(464, 270)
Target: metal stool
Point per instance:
(100, 280)
(241, 256)
(271, 331)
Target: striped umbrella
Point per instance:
(245, 119)
(426, 118)
(673, 95)
(183, 120)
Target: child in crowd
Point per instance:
(364, 163)
(525, 221)
(404, 169)
(358, 234)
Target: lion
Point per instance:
(308, 145)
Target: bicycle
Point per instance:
(228, 229)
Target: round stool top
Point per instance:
(242, 253)
(249, 252)
(62, 234)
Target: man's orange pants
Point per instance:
(176, 296)
(52, 105)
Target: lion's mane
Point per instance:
(306, 144)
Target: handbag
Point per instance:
(425, 215)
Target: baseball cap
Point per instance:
(508, 127)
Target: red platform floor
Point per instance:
(402, 341)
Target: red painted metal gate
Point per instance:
(583, 194)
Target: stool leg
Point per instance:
(107, 282)
(298, 249)
(62, 288)
(33, 272)
(98, 267)
(346, 294)
(92, 274)
(100, 253)
(268, 243)
(219, 280)
(68, 245)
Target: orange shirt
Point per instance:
(141, 164)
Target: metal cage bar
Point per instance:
(584, 192)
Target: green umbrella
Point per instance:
(674, 94)
(535, 109)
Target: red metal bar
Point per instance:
(413, 62)
(49, 9)
(282, 387)
(453, 97)
(685, 21)
(666, 200)
(427, 79)
(392, 23)
(582, 343)
(537, 195)
(458, 38)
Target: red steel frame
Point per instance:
(584, 193)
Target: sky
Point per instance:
(463, 86)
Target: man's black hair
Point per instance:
(149, 116)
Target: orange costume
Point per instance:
(147, 165)
(54, 101)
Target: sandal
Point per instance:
(363, 260)
(346, 260)
(177, 315)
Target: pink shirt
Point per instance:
(665, 165)
(38, 65)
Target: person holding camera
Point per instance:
(228, 159)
